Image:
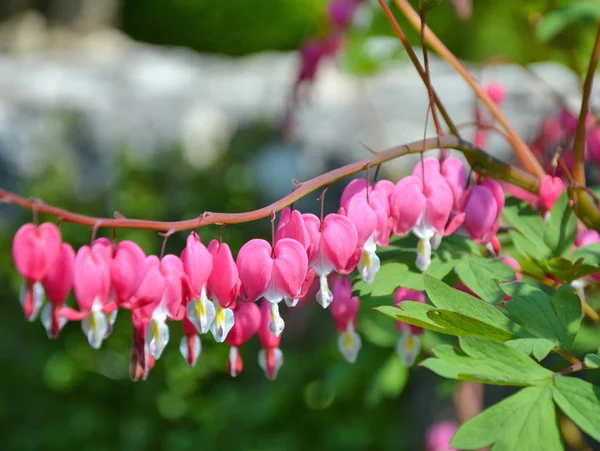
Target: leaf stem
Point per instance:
(590, 312)
(571, 358)
(579, 146)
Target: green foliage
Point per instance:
(483, 275)
(580, 401)
(585, 12)
(526, 420)
(537, 347)
(487, 361)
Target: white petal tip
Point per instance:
(349, 344)
(408, 347)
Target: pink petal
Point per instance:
(126, 269)
(58, 280)
(407, 204)
(255, 265)
(480, 212)
(267, 338)
(153, 283)
(224, 281)
(34, 249)
(313, 227)
(344, 306)
(429, 165)
(455, 174)
(291, 225)
(339, 240)
(497, 192)
(439, 202)
(92, 275)
(363, 216)
(289, 267)
(247, 319)
(197, 263)
(356, 186)
(550, 190)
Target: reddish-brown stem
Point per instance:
(523, 152)
(476, 157)
(417, 64)
(579, 146)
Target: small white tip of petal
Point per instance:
(324, 295)
(233, 358)
(32, 301)
(271, 362)
(190, 348)
(291, 302)
(408, 347)
(47, 321)
(276, 323)
(201, 313)
(157, 337)
(349, 344)
(111, 318)
(423, 254)
(222, 324)
(94, 326)
(436, 241)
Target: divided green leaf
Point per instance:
(483, 275)
(487, 361)
(526, 420)
(539, 348)
(580, 401)
(562, 227)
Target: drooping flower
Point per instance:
(335, 242)
(91, 284)
(270, 357)
(273, 273)
(422, 203)
(34, 250)
(344, 309)
(408, 346)
(57, 283)
(170, 305)
(141, 362)
(190, 345)
(126, 269)
(369, 211)
(482, 207)
(247, 321)
(197, 265)
(550, 190)
(439, 435)
(223, 288)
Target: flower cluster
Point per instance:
(208, 290)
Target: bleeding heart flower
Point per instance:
(291, 225)
(198, 264)
(335, 242)
(270, 357)
(34, 250)
(341, 11)
(126, 269)
(550, 190)
(170, 305)
(190, 345)
(453, 170)
(344, 309)
(57, 284)
(141, 362)
(91, 284)
(496, 91)
(482, 207)
(247, 321)
(408, 346)
(223, 288)
(272, 273)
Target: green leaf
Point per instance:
(526, 421)
(448, 298)
(567, 270)
(386, 281)
(388, 382)
(482, 276)
(487, 361)
(580, 401)
(556, 21)
(538, 347)
(415, 313)
(568, 311)
(562, 227)
(467, 326)
(530, 225)
(592, 360)
(590, 255)
(555, 319)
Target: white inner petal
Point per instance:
(276, 323)
(369, 263)
(349, 343)
(408, 347)
(47, 317)
(223, 322)
(233, 354)
(423, 254)
(201, 313)
(94, 326)
(157, 333)
(324, 295)
(184, 348)
(278, 363)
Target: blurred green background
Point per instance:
(61, 395)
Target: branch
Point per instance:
(415, 61)
(481, 162)
(521, 149)
(579, 167)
